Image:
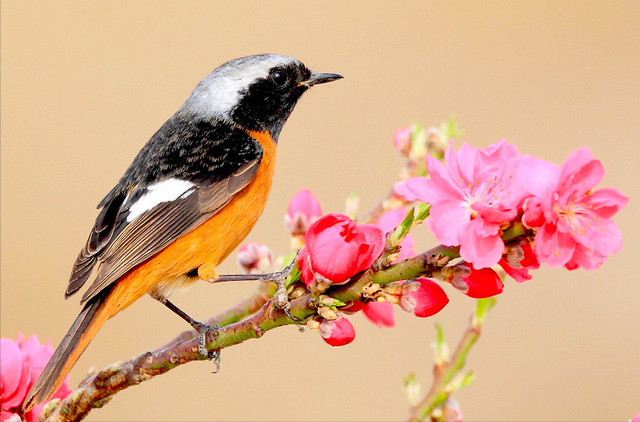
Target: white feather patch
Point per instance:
(157, 193)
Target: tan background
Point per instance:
(84, 86)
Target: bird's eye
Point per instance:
(279, 78)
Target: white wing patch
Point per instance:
(157, 193)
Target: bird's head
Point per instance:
(255, 92)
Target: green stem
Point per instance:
(445, 372)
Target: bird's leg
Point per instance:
(280, 298)
(200, 327)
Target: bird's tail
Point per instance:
(84, 328)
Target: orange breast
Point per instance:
(206, 246)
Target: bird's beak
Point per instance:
(320, 78)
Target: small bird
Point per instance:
(189, 197)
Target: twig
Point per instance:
(445, 370)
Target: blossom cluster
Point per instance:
(21, 364)
(477, 193)
(476, 196)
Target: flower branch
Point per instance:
(494, 207)
(98, 388)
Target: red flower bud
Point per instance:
(253, 256)
(337, 248)
(423, 297)
(478, 284)
(337, 333)
(302, 211)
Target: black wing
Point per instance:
(119, 243)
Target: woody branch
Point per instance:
(98, 388)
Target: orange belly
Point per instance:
(206, 246)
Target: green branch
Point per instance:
(446, 370)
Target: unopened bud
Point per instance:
(254, 257)
(329, 301)
(478, 284)
(437, 144)
(423, 297)
(337, 333)
(302, 211)
(327, 313)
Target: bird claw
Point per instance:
(203, 329)
(280, 299)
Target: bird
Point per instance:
(191, 195)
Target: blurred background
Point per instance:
(85, 85)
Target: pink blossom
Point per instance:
(337, 248)
(423, 297)
(21, 364)
(254, 256)
(337, 333)
(518, 260)
(303, 210)
(636, 418)
(379, 313)
(574, 225)
(470, 198)
(478, 284)
(388, 221)
(402, 140)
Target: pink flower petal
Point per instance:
(448, 220)
(379, 313)
(606, 202)
(441, 186)
(481, 244)
(413, 189)
(537, 176)
(552, 247)
(9, 417)
(10, 368)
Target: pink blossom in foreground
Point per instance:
(388, 221)
(636, 418)
(574, 226)
(303, 210)
(337, 248)
(471, 197)
(423, 297)
(21, 363)
(474, 283)
(254, 256)
(518, 260)
(337, 333)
